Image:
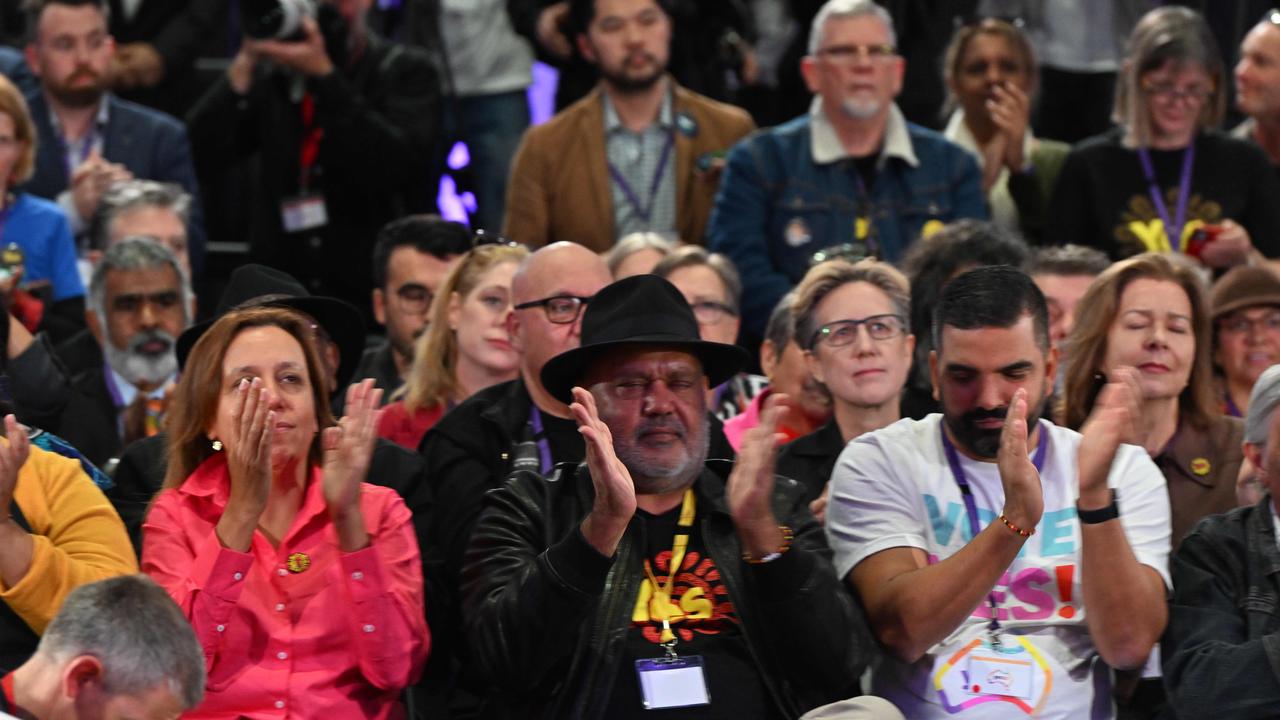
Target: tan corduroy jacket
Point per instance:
(559, 187)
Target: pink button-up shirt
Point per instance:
(339, 639)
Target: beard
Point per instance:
(627, 83)
(655, 475)
(860, 108)
(985, 443)
(76, 95)
(140, 367)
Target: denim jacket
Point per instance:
(1221, 649)
(777, 206)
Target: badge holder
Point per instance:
(1000, 669)
(672, 681)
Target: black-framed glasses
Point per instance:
(414, 297)
(850, 54)
(560, 309)
(1167, 92)
(844, 332)
(1241, 324)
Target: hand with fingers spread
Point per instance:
(615, 501)
(12, 456)
(248, 463)
(1113, 421)
(749, 491)
(348, 450)
(1023, 493)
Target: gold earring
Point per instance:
(217, 445)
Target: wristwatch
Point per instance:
(1101, 515)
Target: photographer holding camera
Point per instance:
(342, 122)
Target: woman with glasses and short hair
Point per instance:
(1166, 180)
(852, 320)
(467, 345)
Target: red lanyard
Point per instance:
(311, 137)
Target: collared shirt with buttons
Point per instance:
(341, 638)
(638, 158)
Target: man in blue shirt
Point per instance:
(852, 177)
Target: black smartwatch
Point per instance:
(1101, 515)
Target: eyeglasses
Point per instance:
(1166, 92)
(1243, 324)
(414, 297)
(844, 332)
(850, 54)
(560, 309)
(710, 313)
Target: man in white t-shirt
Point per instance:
(987, 509)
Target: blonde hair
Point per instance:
(24, 131)
(1167, 34)
(433, 376)
(825, 278)
(1087, 345)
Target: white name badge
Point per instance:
(674, 683)
(1007, 673)
(304, 213)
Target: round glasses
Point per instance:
(844, 332)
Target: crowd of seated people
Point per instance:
(742, 387)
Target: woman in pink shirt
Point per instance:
(303, 583)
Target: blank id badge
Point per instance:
(304, 212)
(672, 682)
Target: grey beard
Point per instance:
(140, 368)
(860, 110)
(651, 480)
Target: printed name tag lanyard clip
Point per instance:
(661, 601)
(971, 510)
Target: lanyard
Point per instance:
(865, 211)
(86, 147)
(311, 136)
(971, 506)
(1172, 228)
(1232, 409)
(540, 437)
(660, 605)
(645, 213)
(5, 212)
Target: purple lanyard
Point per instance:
(1231, 408)
(971, 506)
(1172, 228)
(540, 437)
(86, 147)
(645, 213)
(4, 216)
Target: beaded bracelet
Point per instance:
(787, 537)
(1015, 528)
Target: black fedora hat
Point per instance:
(637, 311)
(256, 285)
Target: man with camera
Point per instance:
(343, 123)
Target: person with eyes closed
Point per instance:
(1151, 313)
(466, 348)
(852, 321)
(990, 72)
(1166, 180)
(302, 582)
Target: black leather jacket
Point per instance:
(547, 617)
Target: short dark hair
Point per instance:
(1068, 260)
(35, 8)
(996, 296)
(582, 12)
(429, 234)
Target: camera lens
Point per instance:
(273, 19)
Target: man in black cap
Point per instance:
(339, 336)
(650, 577)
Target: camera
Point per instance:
(275, 19)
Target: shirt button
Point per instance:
(279, 607)
(220, 628)
(368, 628)
(282, 655)
(282, 572)
(279, 704)
(238, 576)
(357, 575)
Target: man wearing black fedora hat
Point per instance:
(339, 335)
(650, 577)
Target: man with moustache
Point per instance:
(1006, 564)
(851, 177)
(586, 594)
(412, 257)
(639, 153)
(90, 138)
(1258, 86)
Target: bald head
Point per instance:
(562, 268)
